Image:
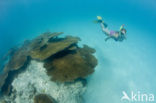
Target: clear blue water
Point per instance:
(128, 65)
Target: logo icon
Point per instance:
(125, 96)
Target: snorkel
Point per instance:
(122, 29)
(122, 26)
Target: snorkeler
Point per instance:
(116, 35)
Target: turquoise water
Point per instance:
(123, 66)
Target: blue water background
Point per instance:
(126, 66)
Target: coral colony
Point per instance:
(47, 69)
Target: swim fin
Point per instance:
(99, 17)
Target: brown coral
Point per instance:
(43, 98)
(72, 65)
(18, 59)
(51, 48)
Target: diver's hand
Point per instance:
(107, 38)
(125, 37)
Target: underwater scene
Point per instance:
(77, 51)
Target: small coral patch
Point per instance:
(43, 98)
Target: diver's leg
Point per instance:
(105, 29)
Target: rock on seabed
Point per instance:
(34, 81)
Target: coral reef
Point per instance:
(63, 60)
